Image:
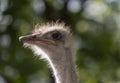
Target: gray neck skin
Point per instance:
(64, 68)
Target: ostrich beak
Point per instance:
(27, 38)
(32, 39)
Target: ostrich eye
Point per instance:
(56, 36)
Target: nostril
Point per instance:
(34, 36)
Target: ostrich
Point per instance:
(51, 41)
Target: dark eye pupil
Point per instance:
(56, 36)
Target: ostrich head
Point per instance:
(51, 39)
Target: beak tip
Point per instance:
(20, 38)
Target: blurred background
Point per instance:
(95, 25)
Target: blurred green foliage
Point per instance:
(95, 25)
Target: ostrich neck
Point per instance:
(64, 67)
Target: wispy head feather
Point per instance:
(44, 28)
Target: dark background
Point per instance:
(95, 25)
